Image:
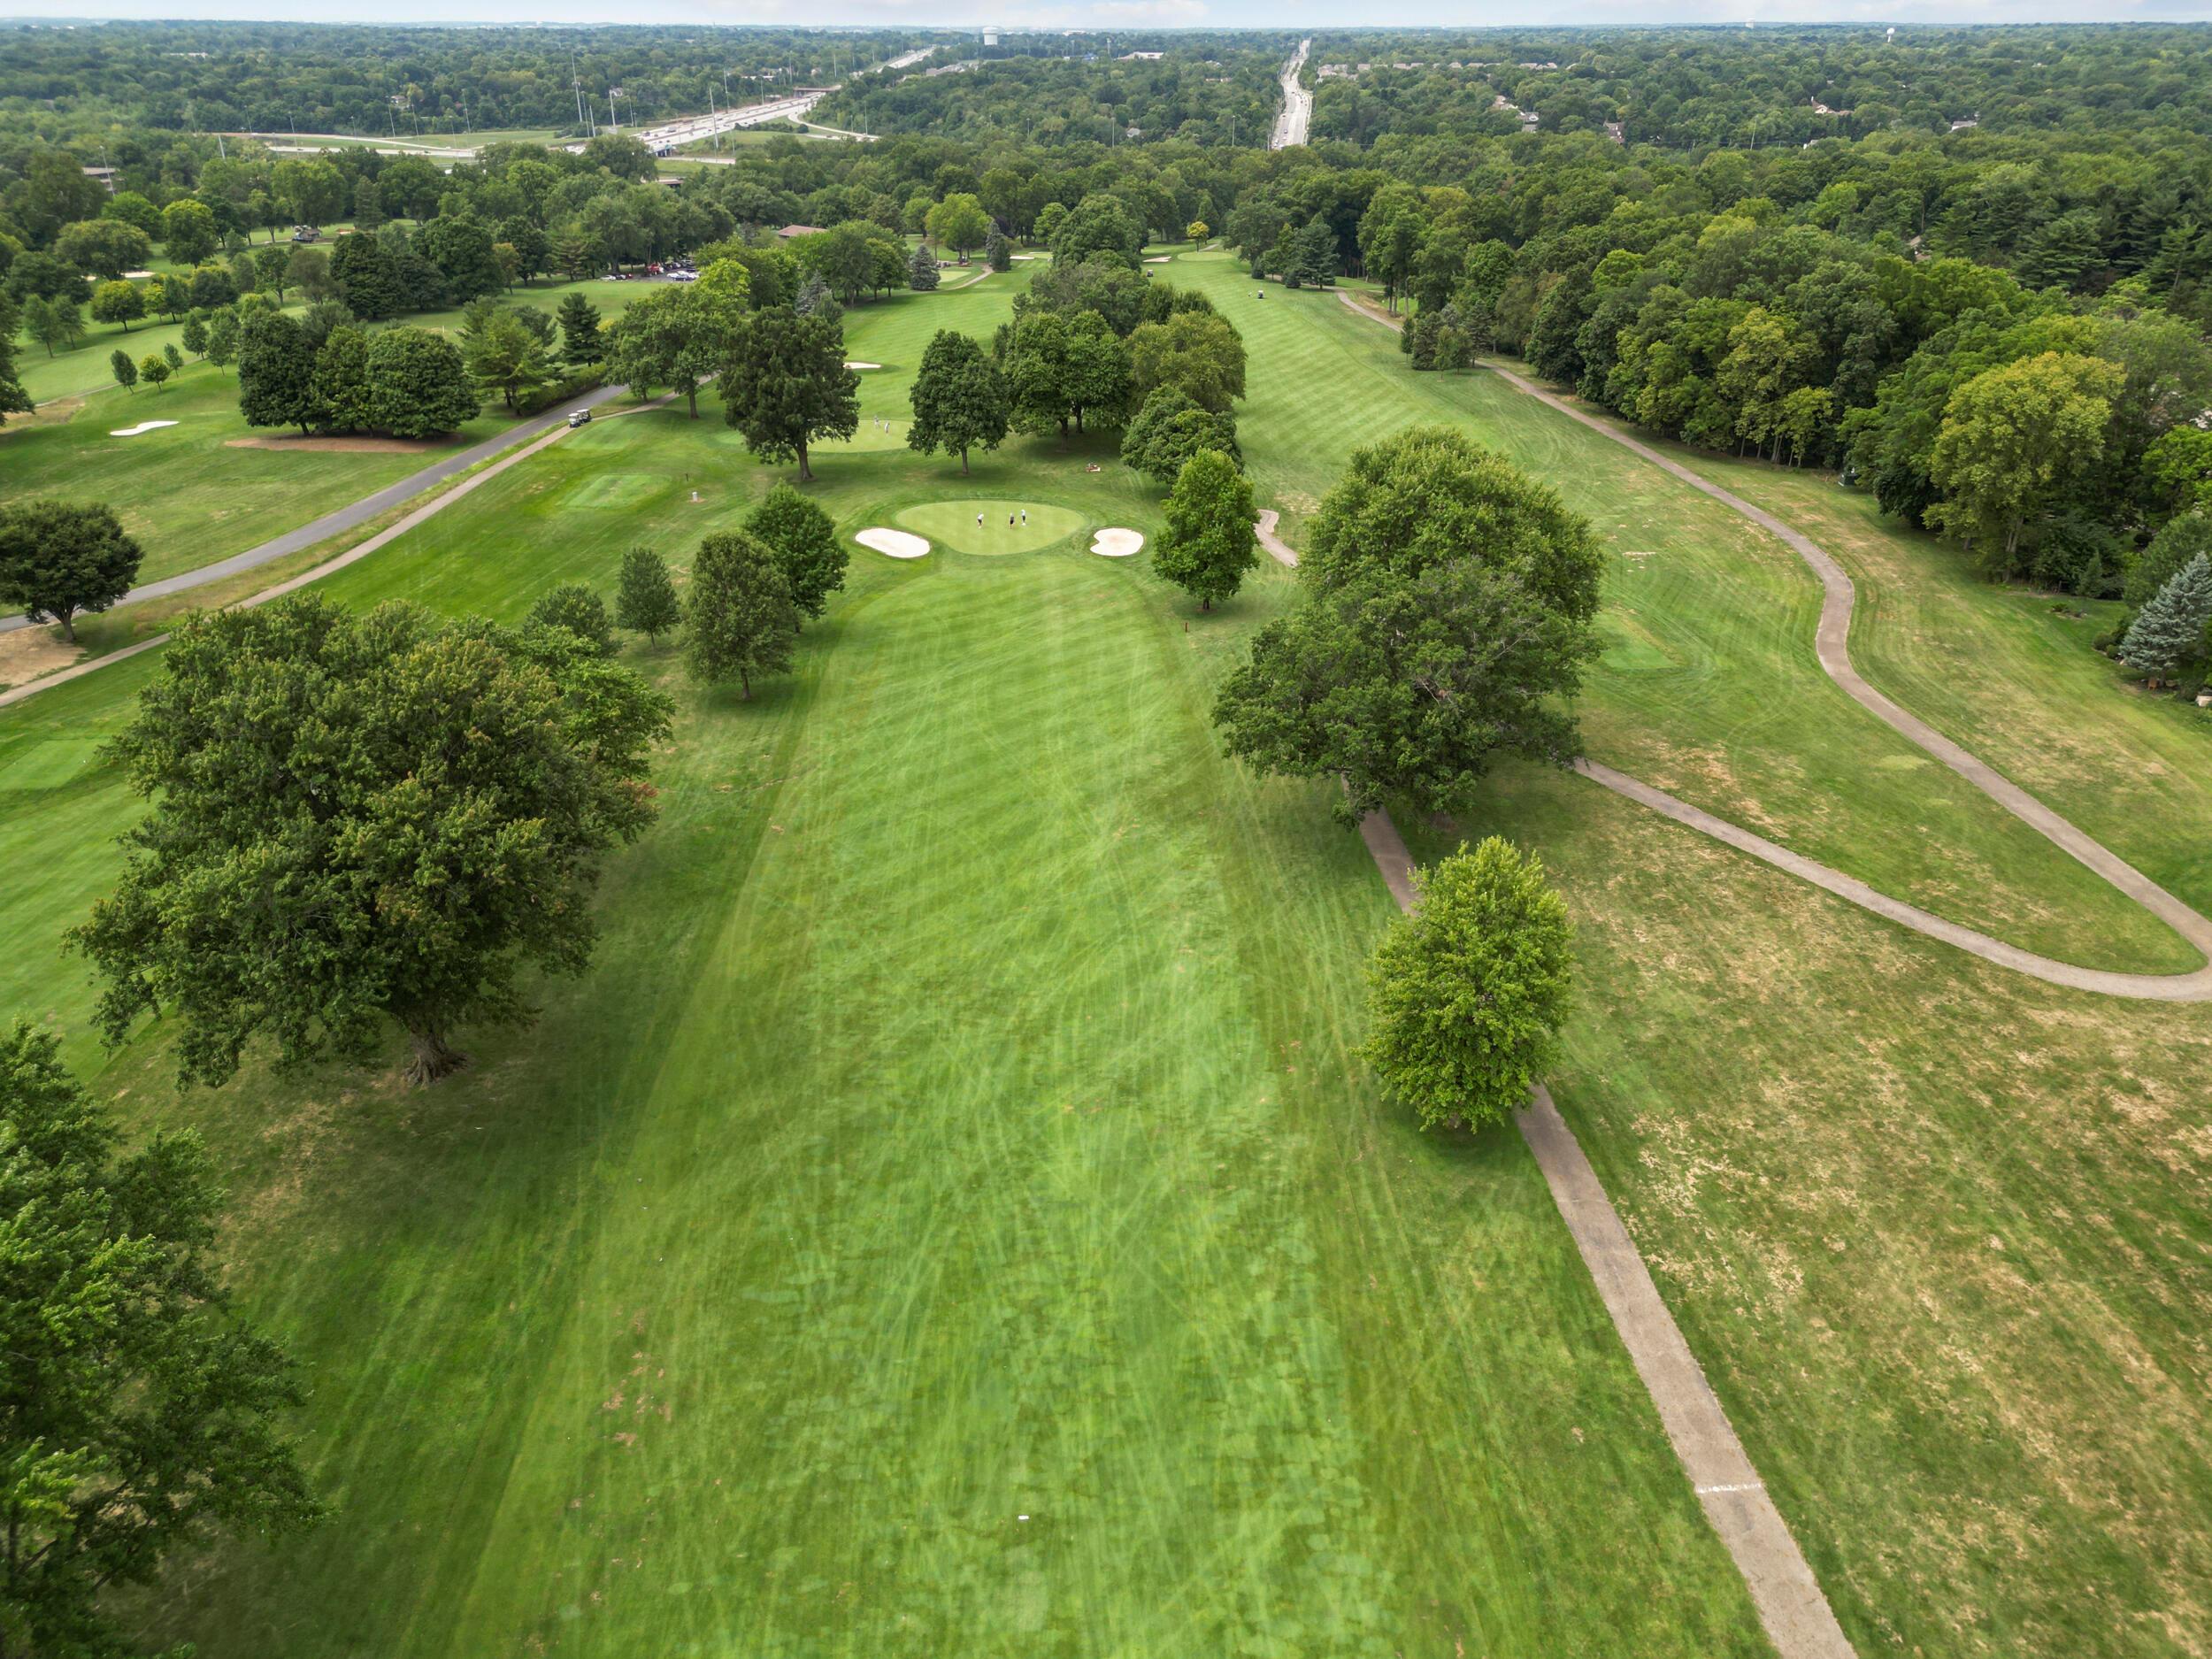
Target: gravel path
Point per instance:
(1831, 644)
(356, 513)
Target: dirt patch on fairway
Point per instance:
(27, 653)
(347, 446)
(48, 414)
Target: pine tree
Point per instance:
(816, 300)
(1316, 253)
(581, 339)
(998, 253)
(123, 368)
(645, 600)
(2169, 633)
(921, 271)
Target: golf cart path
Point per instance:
(338, 562)
(1791, 1607)
(356, 513)
(1831, 643)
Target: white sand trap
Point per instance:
(896, 545)
(1159, 258)
(1116, 544)
(143, 426)
(855, 363)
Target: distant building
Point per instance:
(1140, 57)
(1969, 122)
(1617, 131)
(105, 175)
(990, 37)
(789, 231)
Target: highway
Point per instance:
(1290, 125)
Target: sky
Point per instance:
(1270, 15)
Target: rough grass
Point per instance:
(1934, 1230)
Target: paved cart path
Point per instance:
(353, 514)
(1831, 643)
(360, 550)
(1796, 1613)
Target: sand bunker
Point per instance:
(855, 363)
(143, 426)
(1159, 258)
(893, 543)
(1116, 544)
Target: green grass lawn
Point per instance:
(199, 490)
(959, 1125)
(2010, 673)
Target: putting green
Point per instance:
(953, 523)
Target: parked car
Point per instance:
(580, 418)
(683, 276)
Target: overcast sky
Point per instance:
(1127, 13)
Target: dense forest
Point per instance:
(1690, 87)
(1204, 89)
(279, 78)
(1997, 327)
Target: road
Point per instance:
(354, 514)
(1290, 125)
(660, 140)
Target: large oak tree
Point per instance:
(59, 558)
(785, 384)
(362, 817)
(1444, 620)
